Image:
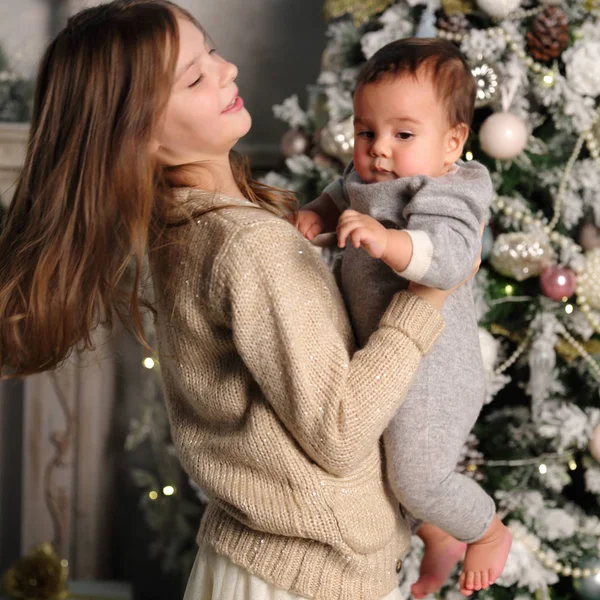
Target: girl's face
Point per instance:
(204, 116)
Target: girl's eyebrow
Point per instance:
(186, 67)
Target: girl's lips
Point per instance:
(235, 106)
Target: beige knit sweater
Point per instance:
(272, 414)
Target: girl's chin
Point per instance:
(245, 128)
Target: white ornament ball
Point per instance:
(595, 443)
(498, 9)
(503, 136)
(489, 349)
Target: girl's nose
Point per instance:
(229, 72)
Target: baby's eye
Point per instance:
(404, 135)
(365, 134)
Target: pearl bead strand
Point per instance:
(583, 353)
(559, 568)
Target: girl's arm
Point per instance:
(275, 298)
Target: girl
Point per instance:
(273, 416)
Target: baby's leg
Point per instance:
(423, 445)
(442, 552)
(485, 558)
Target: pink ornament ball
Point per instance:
(503, 136)
(558, 282)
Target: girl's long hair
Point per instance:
(90, 192)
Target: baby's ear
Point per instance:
(455, 142)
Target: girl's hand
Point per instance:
(363, 231)
(309, 224)
(438, 297)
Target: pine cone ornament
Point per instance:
(456, 23)
(549, 34)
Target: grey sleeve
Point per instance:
(444, 218)
(336, 190)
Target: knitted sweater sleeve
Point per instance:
(275, 299)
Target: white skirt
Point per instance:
(215, 577)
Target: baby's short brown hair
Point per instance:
(438, 59)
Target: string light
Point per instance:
(543, 469)
(168, 490)
(153, 495)
(548, 79)
(148, 363)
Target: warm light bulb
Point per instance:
(149, 363)
(509, 290)
(569, 309)
(469, 156)
(543, 469)
(168, 490)
(548, 79)
(153, 495)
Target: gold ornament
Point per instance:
(455, 7)
(521, 255)
(360, 10)
(337, 139)
(39, 575)
(569, 353)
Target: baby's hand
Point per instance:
(363, 231)
(309, 224)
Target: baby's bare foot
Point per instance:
(442, 552)
(485, 558)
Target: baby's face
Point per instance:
(400, 130)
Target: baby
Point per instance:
(413, 210)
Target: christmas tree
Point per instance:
(536, 447)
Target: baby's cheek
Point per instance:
(362, 164)
(416, 162)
